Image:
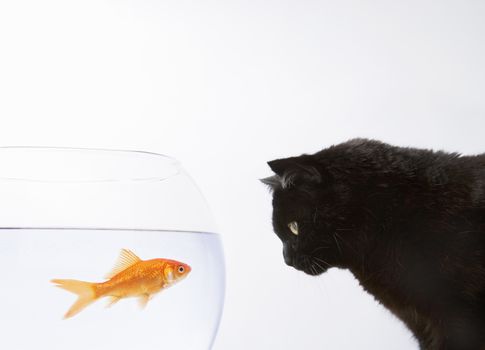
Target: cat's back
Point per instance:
(475, 167)
(435, 168)
(451, 183)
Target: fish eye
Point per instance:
(293, 226)
(181, 269)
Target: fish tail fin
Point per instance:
(84, 290)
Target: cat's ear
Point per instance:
(279, 166)
(292, 171)
(272, 181)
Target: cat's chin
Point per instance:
(314, 271)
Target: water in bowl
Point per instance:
(182, 317)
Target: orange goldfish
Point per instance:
(131, 277)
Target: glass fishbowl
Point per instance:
(104, 249)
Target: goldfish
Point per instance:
(131, 277)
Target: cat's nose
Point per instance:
(288, 260)
(287, 255)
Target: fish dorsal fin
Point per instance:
(126, 259)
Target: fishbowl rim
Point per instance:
(108, 229)
(158, 157)
(96, 149)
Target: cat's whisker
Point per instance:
(342, 240)
(318, 265)
(318, 249)
(323, 261)
(317, 268)
(315, 264)
(336, 242)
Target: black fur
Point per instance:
(408, 223)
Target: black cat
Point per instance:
(408, 223)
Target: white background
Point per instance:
(225, 86)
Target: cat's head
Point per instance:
(310, 213)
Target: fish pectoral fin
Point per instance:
(126, 259)
(113, 300)
(143, 300)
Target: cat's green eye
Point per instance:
(293, 226)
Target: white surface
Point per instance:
(224, 86)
